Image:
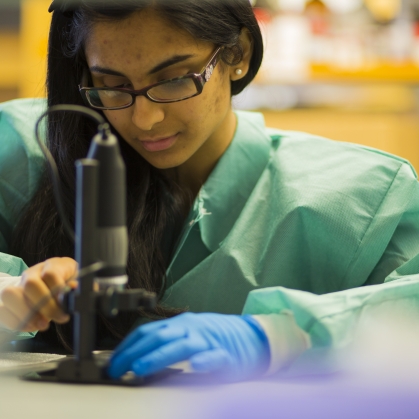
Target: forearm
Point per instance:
(5, 333)
(7, 280)
(330, 321)
(287, 341)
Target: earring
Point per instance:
(239, 71)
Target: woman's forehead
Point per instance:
(144, 29)
(143, 33)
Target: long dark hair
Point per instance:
(154, 202)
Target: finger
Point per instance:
(15, 302)
(7, 318)
(164, 356)
(59, 271)
(149, 328)
(54, 272)
(39, 296)
(130, 340)
(122, 362)
(46, 279)
(211, 361)
(138, 334)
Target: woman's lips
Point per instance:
(159, 145)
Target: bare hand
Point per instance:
(40, 283)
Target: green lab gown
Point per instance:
(286, 221)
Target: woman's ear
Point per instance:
(239, 70)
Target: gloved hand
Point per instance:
(234, 345)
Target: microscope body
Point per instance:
(101, 237)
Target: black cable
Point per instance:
(104, 130)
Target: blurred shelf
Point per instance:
(9, 14)
(394, 133)
(9, 49)
(370, 97)
(24, 50)
(8, 94)
(407, 72)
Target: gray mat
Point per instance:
(17, 361)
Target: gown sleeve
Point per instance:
(21, 165)
(305, 329)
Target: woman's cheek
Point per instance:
(112, 119)
(119, 123)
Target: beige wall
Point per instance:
(396, 133)
(22, 74)
(24, 69)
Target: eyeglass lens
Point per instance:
(179, 89)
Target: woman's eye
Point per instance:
(121, 86)
(115, 83)
(174, 76)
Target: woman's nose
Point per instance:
(146, 113)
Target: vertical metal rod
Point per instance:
(86, 254)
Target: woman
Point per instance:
(245, 227)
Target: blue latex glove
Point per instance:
(234, 345)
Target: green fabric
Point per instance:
(21, 164)
(294, 221)
(298, 211)
(286, 220)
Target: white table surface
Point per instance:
(186, 396)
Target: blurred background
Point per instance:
(344, 69)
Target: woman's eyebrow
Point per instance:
(104, 70)
(167, 63)
(171, 61)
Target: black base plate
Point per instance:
(128, 380)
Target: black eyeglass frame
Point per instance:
(200, 79)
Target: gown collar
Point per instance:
(229, 186)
